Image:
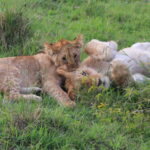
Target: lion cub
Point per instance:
(83, 76)
(22, 72)
(104, 63)
(94, 69)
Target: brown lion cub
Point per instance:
(83, 76)
(17, 73)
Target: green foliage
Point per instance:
(14, 29)
(116, 119)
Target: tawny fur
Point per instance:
(133, 64)
(83, 76)
(96, 66)
(100, 50)
(39, 70)
(128, 65)
(123, 67)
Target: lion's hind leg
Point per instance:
(10, 84)
(17, 96)
(26, 97)
(119, 73)
(11, 89)
(139, 78)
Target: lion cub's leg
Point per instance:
(70, 89)
(10, 86)
(53, 89)
(100, 50)
(13, 93)
(119, 73)
(68, 81)
(16, 97)
(140, 78)
(29, 90)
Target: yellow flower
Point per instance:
(101, 105)
(91, 88)
(118, 110)
(110, 109)
(115, 110)
(83, 80)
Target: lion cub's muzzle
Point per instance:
(96, 81)
(104, 81)
(72, 67)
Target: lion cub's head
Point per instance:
(64, 52)
(84, 76)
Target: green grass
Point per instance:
(113, 119)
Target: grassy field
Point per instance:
(111, 120)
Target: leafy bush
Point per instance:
(14, 29)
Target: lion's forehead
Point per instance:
(63, 44)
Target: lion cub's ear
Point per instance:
(46, 46)
(51, 49)
(79, 40)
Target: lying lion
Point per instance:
(83, 76)
(128, 65)
(19, 76)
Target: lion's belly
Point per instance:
(12, 77)
(29, 76)
(29, 79)
(26, 67)
(9, 77)
(138, 60)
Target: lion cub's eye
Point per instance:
(64, 58)
(84, 73)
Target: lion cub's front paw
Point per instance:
(70, 104)
(33, 97)
(62, 68)
(71, 95)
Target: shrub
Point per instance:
(14, 29)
